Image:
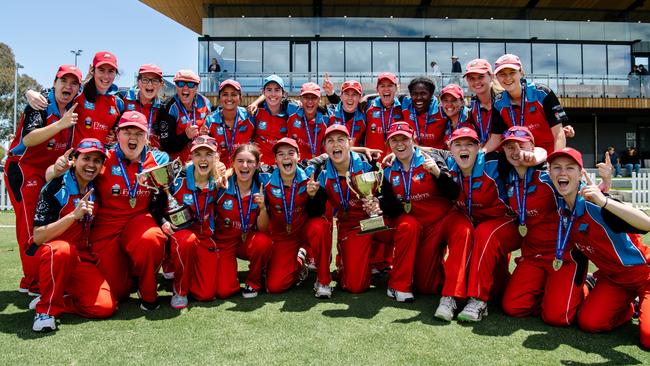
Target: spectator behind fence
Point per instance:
(631, 161)
(616, 163)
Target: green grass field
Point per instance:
(293, 328)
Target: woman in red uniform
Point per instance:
(598, 226)
(347, 109)
(230, 124)
(382, 112)
(241, 224)
(41, 137)
(308, 124)
(480, 79)
(454, 112)
(524, 103)
(70, 281)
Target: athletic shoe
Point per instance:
(179, 302)
(635, 304)
(399, 295)
(168, 275)
(146, 306)
(43, 323)
(34, 302)
(474, 311)
(33, 294)
(322, 291)
(312, 265)
(304, 268)
(23, 290)
(248, 292)
(446, 308)
(590, 281)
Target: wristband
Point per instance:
(606, 201)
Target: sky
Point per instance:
(42, 33)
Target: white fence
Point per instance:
(5, 203)
(641, 190)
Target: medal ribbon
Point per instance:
(523, 106)
(195, 195)
(390, 120)
(521, 197)
(230, 143)
(562, 238)
(150, 119)
(407, 184)
(244, 220)
(479, 118)
(468, 195)
(312, 143)
(337, 183)
(134, 191)
(182, 107)
(288, 213)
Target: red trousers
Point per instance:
(608, 306)
(24, 185)
(181, 258)
(536, 288)
(493, 241)
(134, 249)
(62, 272)
(215, 266)
(283, 267)
(456, 231)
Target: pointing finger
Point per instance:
(608, 160)
(86, 197)
(327, 77)
(587, 178)
(71, 110)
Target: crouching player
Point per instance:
(62, 221)
(598, 227)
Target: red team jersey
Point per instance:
(200, 201)
(308, 134)
(378, 120)
(429, 127)
(356, 125)
(269, 128)
(228, 139)
(150, 110)
(279, 204)
(229, 213)
(184, 118)
(98, 119)
(482, 118)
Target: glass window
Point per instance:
(357, 57)
(523, 51)
(569, 59)
(490, 28)
(440, 52)
(224, 52)
(384, 56)
(491, 51)
(618, 60)
(465, 51)
(544, 61)
(595, 59)
(203, 56)
(567, 30)
(300, 56)
(411, 57)
(592, 31)
(330, 57)
(249, 56)
(276, 57)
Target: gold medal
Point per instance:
(288, 228)
(243, 236)
(523, 230)
(132, 202)
(407, 206)
(557, 264)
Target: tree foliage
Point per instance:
(7, 74)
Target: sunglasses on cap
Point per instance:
(207, 140)
(516, 133)
(189, 84)
(90, 144)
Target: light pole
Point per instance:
(76, 54)
(18, 66)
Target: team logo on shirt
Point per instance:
(116, 170)
(532, 109)
(276, 192)
(262, 125)
(227, 205)
(75, 201)
(115, 190)
(188, 199)
(376, 114)
(226, 222)
(88, 123)
(396, 180)
(243, 128)
(398, 117)
(419, 176)
(130, 107)
(219, 130)
(50, 144)
(277, 208)
(202, 115)
(112, 111)
(357, 128)
(283, 130)
(89, 105)
(297, 123)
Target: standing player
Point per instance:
(347, 111)
(598, 226)
(480, 79)
(382, 112)
(423, 113)
(69, 279)
(42, 136)
(454, 112)
(307, 125)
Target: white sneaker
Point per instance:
(304, 269)
(43, 322)
(474, 311)
(322, 291)
(178, 302)
(23, 290)
(312, 265)
(168, 275)
(34, 302)
(400, 296)
(446, 308)
(248, 292)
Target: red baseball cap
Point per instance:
(133, 119)
(231, 82)
(310, 88)
(285, 141)
(187, 75)
(478, 66)
(453, 90)
(518, 133)
(336, 128)
(568, 152)
(387, 75)
(351, 84)
(399, 128)
(464, 132)
(104, 58)
(89, 145)
(204, 141)
(507, 61)
(69, 69)
(150, 69)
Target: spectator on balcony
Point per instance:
(437, 75)
(631, 161)
(613, 157)
(456, 70)
(214, 66)
(645, 80)
(633, 81)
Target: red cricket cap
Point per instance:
(310, 88)
(336, 128)
(133, 119)
(464, 132)
(453, 90)
(231, 82)
(104, 58)
(351, 84)
(150, 69)
(399, 128)
(89, 145)
(507, 61)
(285, 141)
(187, 75)
(387, 75)
(568, 152)
(518, 133)
(204, 141)
(69, 69)
(478, 66)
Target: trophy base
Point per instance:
(372, 225)
(181, 217)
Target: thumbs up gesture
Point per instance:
(84, 207)
(69, 118)
(312, 186)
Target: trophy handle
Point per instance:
(381, 179)
(142, 180)
(177, 168)
(349, 182)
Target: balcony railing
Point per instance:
(568, 85)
